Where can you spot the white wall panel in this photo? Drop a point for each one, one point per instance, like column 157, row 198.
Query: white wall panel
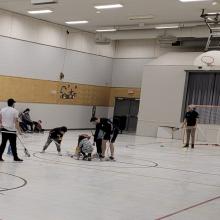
column 135, row 49
column 161, row 98
column 5, row 20
column 23, row 28
column 87, row 68
column 162, row 92
column 20, row 58
column 42, row 32
column 128, row 72
column 72, row 116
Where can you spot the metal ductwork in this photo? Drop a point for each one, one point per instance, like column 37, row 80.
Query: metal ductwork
column 100, row 39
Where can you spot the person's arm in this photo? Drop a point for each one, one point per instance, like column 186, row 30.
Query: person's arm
column 97, row 129
column 28, row 117
column 16, row 121
column 0, row 120
column 197, row 119
column 184, row 123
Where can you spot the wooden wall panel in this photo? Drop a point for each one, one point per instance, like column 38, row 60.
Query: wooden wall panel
column 53, row 92
column 123, row 92
column 27, row 90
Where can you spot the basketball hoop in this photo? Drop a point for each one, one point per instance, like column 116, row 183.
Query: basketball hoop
column 208, row 60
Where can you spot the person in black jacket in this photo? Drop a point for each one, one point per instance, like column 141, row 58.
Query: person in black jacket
column 190, row 124
column 110, row 133
column 98, row 136
column 55, row 135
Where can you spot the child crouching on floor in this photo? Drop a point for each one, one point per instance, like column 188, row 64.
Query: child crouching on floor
column 84, row 147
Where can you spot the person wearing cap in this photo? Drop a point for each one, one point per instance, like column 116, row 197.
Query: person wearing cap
column 190, row 123
column 55, row 135
column 9, row 124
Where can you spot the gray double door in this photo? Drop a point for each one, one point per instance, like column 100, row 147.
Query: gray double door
column 127, row 108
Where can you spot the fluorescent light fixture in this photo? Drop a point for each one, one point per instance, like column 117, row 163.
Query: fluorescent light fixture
column 167, row 26
column 40, row 11
column 214, row 13
column 194, row 0
column 76, row 22
column 100, row 7
column 106, row 30
column 141, row 17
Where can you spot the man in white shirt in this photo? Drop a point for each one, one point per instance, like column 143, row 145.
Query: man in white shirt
column 9, row 123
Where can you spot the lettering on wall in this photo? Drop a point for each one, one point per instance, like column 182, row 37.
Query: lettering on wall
column 68, row 91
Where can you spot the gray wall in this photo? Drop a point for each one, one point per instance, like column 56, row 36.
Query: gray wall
column 31, row 60
column 25, row 59
column 52, row 116
column 162, row 91
column 161, row 98
column 128, row 72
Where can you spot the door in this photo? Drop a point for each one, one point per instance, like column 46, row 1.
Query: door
column 126, row 110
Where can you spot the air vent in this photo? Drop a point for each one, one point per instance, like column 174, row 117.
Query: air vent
column 43, row 2
column 99, row 39
column 166, row 40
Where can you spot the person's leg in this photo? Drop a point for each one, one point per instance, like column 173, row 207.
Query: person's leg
column 89, row 156
column 99, row 146
column 193, row 132
column 188, row 132
column 104, row 142
column 83, row 153
column 49, row 140
column 12, row 139
column 9, row 152
column 58, row 144
column 30, row 124
column 112, row 148
column 3, row 144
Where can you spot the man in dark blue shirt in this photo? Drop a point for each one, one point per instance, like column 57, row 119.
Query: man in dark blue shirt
column 190, row 123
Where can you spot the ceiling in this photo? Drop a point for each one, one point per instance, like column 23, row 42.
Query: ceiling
column 164, row 11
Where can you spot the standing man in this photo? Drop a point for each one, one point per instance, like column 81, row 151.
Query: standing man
column 98, row 136
column 110, row 134
column 190, row 123
column 9, row 123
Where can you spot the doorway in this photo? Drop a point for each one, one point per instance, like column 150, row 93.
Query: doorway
column 126, row 111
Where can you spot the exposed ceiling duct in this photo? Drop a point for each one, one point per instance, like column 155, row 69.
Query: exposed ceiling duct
column 100, row 39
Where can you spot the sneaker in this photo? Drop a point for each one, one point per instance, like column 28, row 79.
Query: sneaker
column 111, row 158
column 101, row 158
column 42, row 152
column 59, row 153
column 1, row 160
column 85, row 157
column 186, row 146
column 192, row 146
column 18, row 160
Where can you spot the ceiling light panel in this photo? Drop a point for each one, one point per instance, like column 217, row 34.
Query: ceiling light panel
column 45, row 11
column 76, row 22
column 112, row 6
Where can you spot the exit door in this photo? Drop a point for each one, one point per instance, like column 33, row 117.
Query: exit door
column 127, row 110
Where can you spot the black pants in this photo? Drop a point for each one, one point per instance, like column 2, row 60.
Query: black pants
column 49, row 140
column 84, row 154
column 99, row 146
column 12, row 139
column 29, row 123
